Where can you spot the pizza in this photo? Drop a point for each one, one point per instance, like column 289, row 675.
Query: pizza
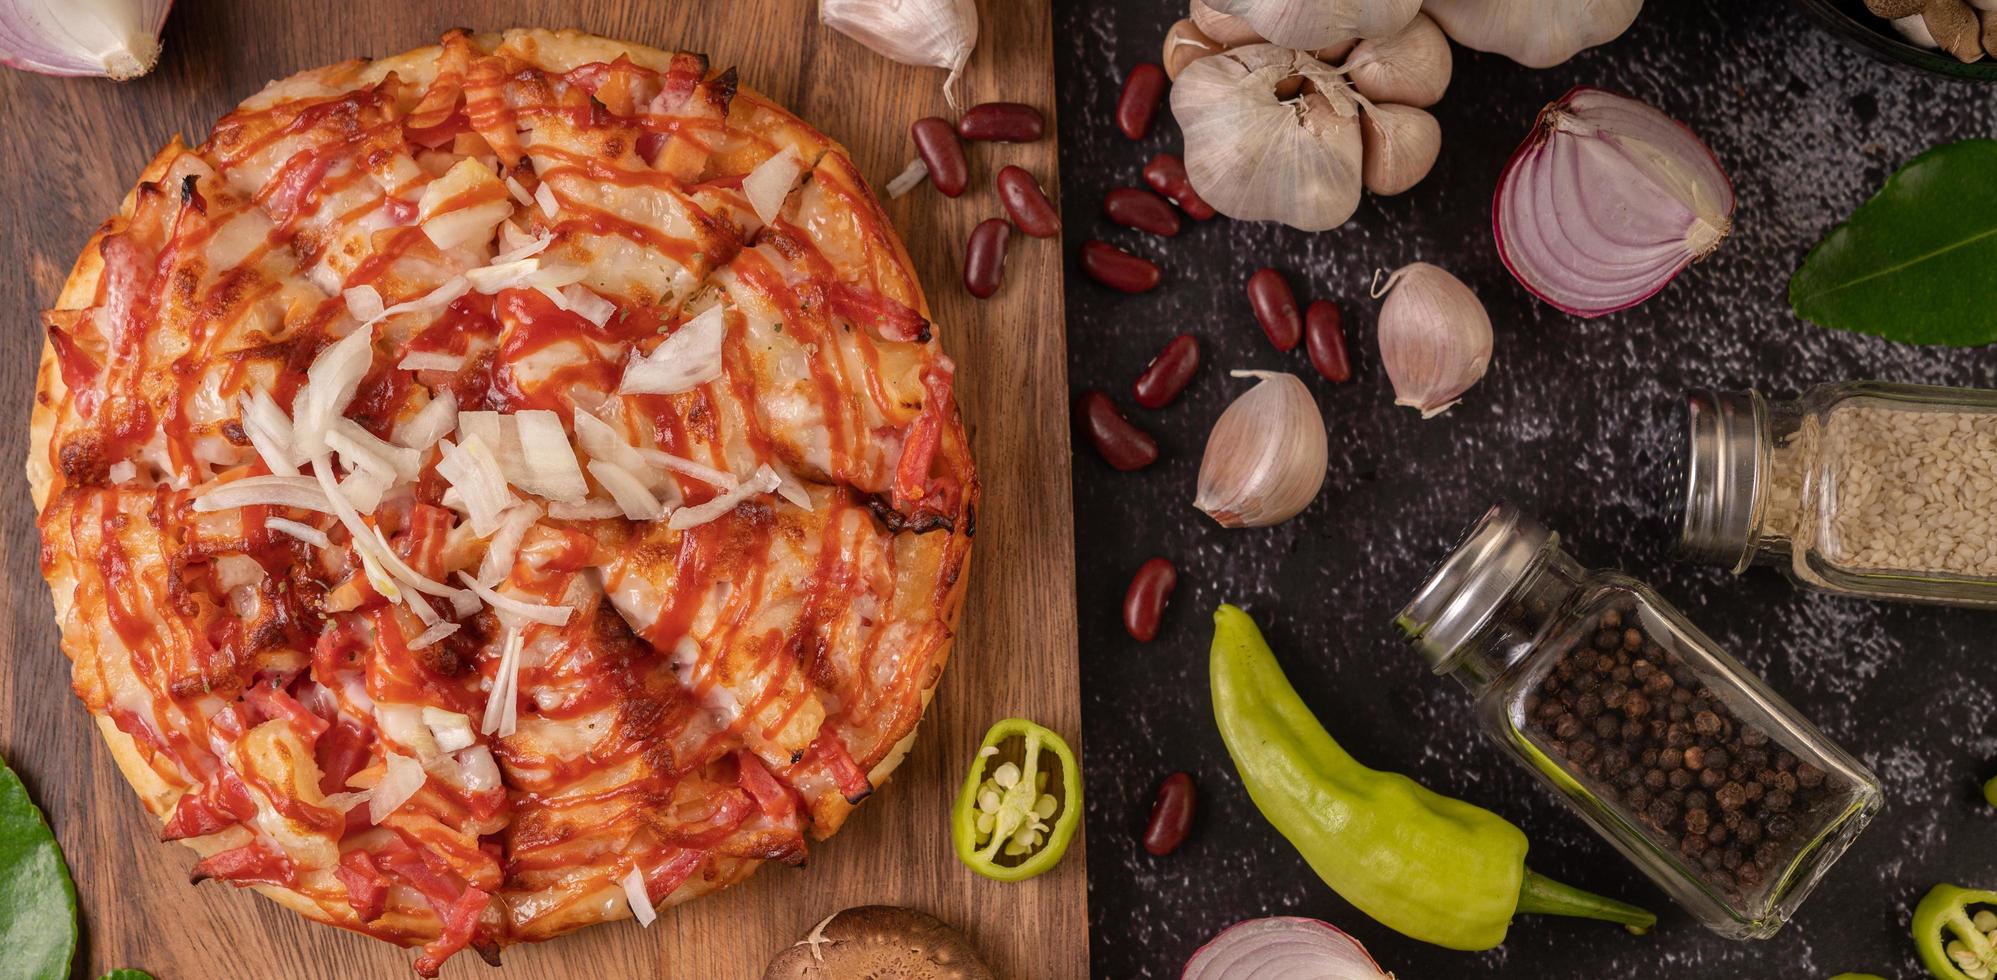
column 501, row 488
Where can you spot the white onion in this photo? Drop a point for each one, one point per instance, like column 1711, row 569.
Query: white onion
column 431, row 360
column 452, row 730
column 499, row 275
column 549, row 461
column 764, row 481
column 527, row 249
column 330, row 384
column 544, row 195
column 519, row 608
column 111, row 38
column 500, row 704
column 342, row 802
column 519, row 192
column 686, row 467
column 472, row 471
column 769, row 184
column 631, row 495
column 792, row 489
column 639, row 897
column 429, row 636
column 350, row 439
column 476, row 766
column 588, row 510
column 264, row 491
column 363, row 488
column 269, row 430
column 690, row 356
column 1283, row 948
column 602, row 441
column 400, row 781
column 303, row 532
column 588, row 305
column 364, row 302
column 432, row 422
column 1606, row 202
column 505, row 543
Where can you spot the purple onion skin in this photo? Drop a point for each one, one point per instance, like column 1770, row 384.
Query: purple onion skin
column 1538, row 135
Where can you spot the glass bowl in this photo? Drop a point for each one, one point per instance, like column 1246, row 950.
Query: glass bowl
column 1851, row 23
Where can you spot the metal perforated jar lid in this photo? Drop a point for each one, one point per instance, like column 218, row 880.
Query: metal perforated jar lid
column 1473, row 583
column 1726, row 434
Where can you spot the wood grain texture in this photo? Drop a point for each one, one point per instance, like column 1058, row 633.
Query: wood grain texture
column 73, row 148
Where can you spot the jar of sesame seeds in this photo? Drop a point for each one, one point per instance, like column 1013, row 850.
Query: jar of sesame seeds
column 1862, row 488
column 1681, row 758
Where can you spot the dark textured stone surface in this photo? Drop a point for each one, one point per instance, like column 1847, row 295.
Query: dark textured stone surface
column 1571, row 421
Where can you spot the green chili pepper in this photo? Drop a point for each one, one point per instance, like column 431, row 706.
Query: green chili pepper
column 1427, row 866
column 1972, row 952
column 1001, row 822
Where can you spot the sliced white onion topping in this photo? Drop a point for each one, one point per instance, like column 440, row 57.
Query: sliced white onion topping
column 792, row 489
column 342, row 802
column 769, row 184
column 452, row 731
column 505, row 543
column 519, row 191
column 687, row 358
column 518, row 609
column 588, row 305
column 472, row 471
column 763, row 481
column 528, row 249
column 432, row 635
column 364, row 302
column 400, row 461
column 640, row 897
column 269, row 430
column 480, row 773
column 588, row 510
column 631, row 495
column 264, row 491
column 330, row 384
column 686, row 467
column 550, row 464
column 431, row 360
column 501, row 711
column 364, row 488
column 403, row 777
column 545, row 196
column 432, row 422
column 303, row 532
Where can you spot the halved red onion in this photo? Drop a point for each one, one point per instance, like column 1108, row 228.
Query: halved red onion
column 112, row 38
column 1283, row 948
column 1606, row 202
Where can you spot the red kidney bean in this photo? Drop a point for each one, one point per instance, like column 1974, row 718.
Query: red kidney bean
column 1142, row 89
column 1121, row 444
column 1002, row 122
column 1276, row 308
column 984, row 257
column 1324, row 340
column 1118, row 269
column 1171, row 814
column 1027, row 203
column 1169, row 372
column 1132, row 207
column 937, row 144
column 1166, row 174
column 1144, row 602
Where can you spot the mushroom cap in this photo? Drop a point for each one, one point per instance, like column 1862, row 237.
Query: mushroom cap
column 879, row 942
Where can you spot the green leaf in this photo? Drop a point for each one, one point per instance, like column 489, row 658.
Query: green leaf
column 1918, row 262
column 37, row 899
column 143, row 975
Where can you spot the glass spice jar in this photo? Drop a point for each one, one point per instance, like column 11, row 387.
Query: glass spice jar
column 1699, row 774
column 1861, row 488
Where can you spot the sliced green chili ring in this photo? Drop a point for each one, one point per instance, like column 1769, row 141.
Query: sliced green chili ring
column 1943, row 925
column 1009, row 826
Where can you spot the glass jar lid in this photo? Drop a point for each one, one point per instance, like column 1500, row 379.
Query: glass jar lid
column 1726, row 437
column 1472, row 584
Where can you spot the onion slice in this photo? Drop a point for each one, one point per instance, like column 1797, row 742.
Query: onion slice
column 301, row 492
column 689, row 356
column 399, row 781
column 1606, row 202
column 639, row 897
column 1283, row 948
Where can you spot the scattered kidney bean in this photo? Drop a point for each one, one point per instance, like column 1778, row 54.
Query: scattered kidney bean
column 1166, row 174
column 1144, row 602
column 1027, row 203
column 984, row 257
column 1132, row 207
column 1002, row 122
column 1118, row 269
column 1171, row 814
column 937, row 144
column 1324, row 340
column 1142, row 89
column 1276, row 308
column 1121, row 444
column 1169, row 372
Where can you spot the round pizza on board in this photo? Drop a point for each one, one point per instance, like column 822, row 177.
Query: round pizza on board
column 500, row 488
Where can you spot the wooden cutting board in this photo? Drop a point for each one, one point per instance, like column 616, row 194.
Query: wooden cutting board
column 71, row 149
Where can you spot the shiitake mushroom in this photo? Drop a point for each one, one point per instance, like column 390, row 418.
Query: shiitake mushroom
column 879, row 942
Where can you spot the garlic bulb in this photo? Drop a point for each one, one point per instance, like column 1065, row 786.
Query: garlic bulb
column 1534, row 33
column 109, row 38
column 1256, row 156
column 1435, row 338
column 1411, row 67
column 1313, row 24
column 1265, row 459
column 1185, row 44
column 1401, row 145
column 1226, row 29
column 925, row 33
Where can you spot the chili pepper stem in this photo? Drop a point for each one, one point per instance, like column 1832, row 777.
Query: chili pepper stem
column 1540, row 895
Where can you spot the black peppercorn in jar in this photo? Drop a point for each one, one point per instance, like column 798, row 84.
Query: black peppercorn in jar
column 1714, row 786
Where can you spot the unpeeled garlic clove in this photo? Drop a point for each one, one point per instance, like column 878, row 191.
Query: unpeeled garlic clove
column 1227, row 30
column 1411, row 67
column 1534, row 33
column 1265, row 459
column 1336, row 51
column 1401, row 146
column 1257, row 156
column 924, row 33
column 1313, row 24
column 1185, row 43
column 1435, row 338
column 116, row 39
